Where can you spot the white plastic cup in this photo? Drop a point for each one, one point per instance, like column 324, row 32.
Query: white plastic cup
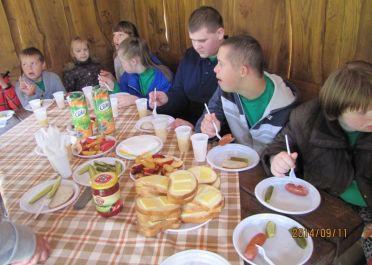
column 60, row 99
column 35, row 104
column 88, row 95
column 141, row 104
column 183, row 137
column 61, row 164
column 114, row 105
column 41, row 116
column 199, row 145
column 161, row 128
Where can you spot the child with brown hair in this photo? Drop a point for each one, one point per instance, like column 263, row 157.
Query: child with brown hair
column 8, row 96
column 83, row 70
column 331, row 140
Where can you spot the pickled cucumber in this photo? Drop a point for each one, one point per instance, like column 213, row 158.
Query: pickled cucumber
column 300, row 241
column 240, row 159
column 270, row 229
column 269, row 193
column 55, row 187
column 41, row 194
column 83, row 170
column 118, row 168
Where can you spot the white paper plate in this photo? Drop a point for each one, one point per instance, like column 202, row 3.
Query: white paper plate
column 84, row 179
column 44, row 103
column 148, row 119
column 218, row 154
column 6, row 115
column 281, row 249
column 108, row 137
column 143, row 142
column 195, row 257
column 187, row 227
column 285, row 202
column 33, row 208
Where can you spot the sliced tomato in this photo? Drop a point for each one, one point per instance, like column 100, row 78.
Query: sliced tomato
column 296, row 189
column 106, row 145
column 89, row 140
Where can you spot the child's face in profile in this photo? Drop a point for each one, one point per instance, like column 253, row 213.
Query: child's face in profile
column 32, row 67
column 80, row 51
column 358, row 120
column 118, row 37
column 129, row 65
column 227, row 74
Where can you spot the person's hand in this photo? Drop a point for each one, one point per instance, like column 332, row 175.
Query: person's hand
column 126, row 100
column 178, row 122
column 282, row 163
column 207, row 125
column 107, row 74
column 41, row 253
column 161, row 99
column 106, row 81
column 27, row 89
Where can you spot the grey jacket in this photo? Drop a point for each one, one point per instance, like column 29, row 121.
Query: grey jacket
column 17, row 243
column 52, row 84
column 228, row 108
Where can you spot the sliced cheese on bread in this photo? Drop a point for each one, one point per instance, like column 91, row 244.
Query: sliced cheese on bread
column 198, row 217
column 160, row 206
column 204, row 174
column 208, row 196
column 152, row 228
column 183, row 184
column 62, row 195
column 153, row 217
column 152, row 185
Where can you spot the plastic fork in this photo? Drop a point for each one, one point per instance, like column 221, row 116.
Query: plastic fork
column 291, row 172
column 155, row 105
column 262, row 252
column 214, row 125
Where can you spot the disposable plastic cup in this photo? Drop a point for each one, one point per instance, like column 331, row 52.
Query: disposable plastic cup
column 61, row 164
column 183, row 138
column 141, row 104
column 114, row 106
column 60, row 99
column 161, row 128
column 41, row 116
column 88, row 95
column 199, row 145
column 35, row 104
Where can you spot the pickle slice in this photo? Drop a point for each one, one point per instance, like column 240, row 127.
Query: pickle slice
column 240, row 159
column 41, row 194
column 269, row 193
column 270, row 229
column 300, row 241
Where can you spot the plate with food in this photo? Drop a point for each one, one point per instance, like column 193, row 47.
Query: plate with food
column 145, row 124
column 44, row 103
column 195, row 256
column 85, row 171
column 94, row 146
column 66, row 194
column 186, row 227
column 287, row 195
column 138, row 146
column 232, row 157
column 6, row 115
column 154, row 164
column 282, row 238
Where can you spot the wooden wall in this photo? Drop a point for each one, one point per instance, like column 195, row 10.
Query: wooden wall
column 303, row 40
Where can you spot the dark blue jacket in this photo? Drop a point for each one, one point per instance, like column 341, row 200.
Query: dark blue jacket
column 193, row 85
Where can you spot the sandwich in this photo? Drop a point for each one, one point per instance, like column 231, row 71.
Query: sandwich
column 204, row 174
column 152, row 228
column 153, row 185
column 182, row 187
column 159, row 206
column 62, row 195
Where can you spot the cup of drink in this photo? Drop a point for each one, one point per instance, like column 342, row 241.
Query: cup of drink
column 41, row 116
column 114, row 105
column 88, row 95
column 183, row 137
column 141, row 104
column 161, row 128
column 35, row 104
column 60, row 99
column 199, row 145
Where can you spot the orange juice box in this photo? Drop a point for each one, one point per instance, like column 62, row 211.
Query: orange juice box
column 79, row 114
column 102, row 108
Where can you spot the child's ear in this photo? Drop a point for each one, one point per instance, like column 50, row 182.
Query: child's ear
column 44, row 65
column 244, row 70
column 220, row 33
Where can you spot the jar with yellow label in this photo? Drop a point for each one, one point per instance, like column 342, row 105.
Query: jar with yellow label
column 106, row 194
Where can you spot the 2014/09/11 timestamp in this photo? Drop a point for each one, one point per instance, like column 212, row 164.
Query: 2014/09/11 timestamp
column 319, row 232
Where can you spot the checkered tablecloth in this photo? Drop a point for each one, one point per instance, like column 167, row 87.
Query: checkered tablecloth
column 84, row 237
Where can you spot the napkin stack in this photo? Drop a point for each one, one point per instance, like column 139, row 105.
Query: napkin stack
column 53, row 144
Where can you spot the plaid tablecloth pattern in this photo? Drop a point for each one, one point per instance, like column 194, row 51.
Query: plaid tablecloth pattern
column 82, row 236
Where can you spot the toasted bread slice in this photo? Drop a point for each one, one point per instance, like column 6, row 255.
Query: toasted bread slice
column 194, row 207
column 159, row 206
column 146, row 217
column 217, row 183
column 183, row 184
column 198, row 217
column 152, row 185
column 63, row 194
column 233, row 164
column 147, row 126
column 208, row 196
column 204, row 174
column 182, row 200
column 152, row 228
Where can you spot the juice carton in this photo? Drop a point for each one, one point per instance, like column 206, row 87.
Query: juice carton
column 79, row 114
column 103, row 110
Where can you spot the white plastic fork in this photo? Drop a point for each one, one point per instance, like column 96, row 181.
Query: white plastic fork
column 262, row 252
column 214, row 125
column 291, row 172
column 155, row 105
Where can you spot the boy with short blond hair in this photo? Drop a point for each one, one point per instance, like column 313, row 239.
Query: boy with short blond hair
column 35, row 82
